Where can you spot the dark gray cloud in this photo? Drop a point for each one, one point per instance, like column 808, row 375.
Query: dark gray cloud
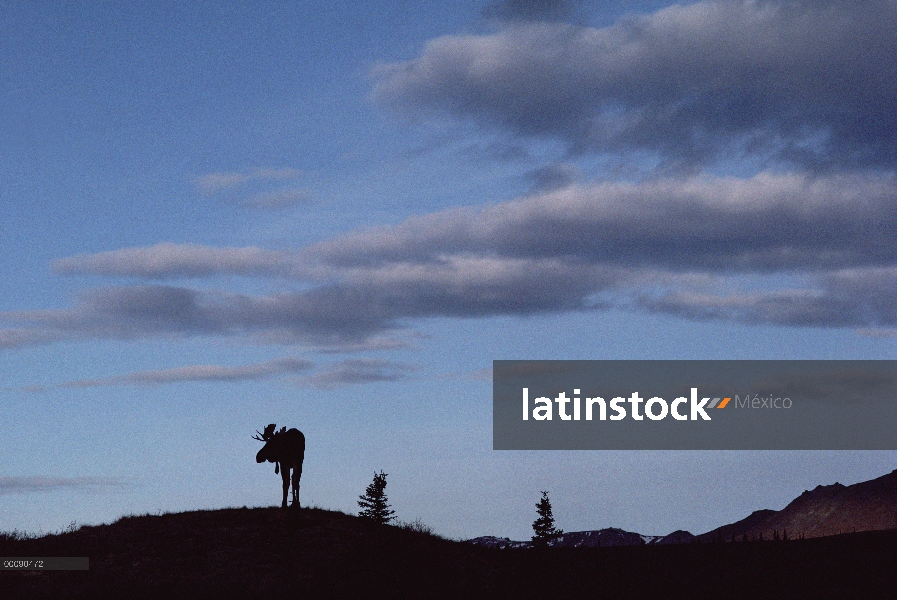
column 357, row 371
column 263, row 370
column 808, row 83
column 478, row 375
column 126, row 312
column 22, row 336
column 179, row 260
column 28, row 485
column 850, row 298
column 153, row 311
column 765, row 223
column 347, row 372
column 505, row 152
column 552, row 177
column 345, row 315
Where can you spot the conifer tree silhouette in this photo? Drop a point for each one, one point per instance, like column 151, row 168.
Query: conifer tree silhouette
column 374, row 502
column 543, row 527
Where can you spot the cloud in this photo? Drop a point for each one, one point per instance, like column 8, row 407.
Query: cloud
column 178, row 260
column 357, row 371
column 374, row 343
column 660, row 245
column 365, row 306
column 553, row 177
column 500, row 151
column 28, row 485
column 347, row 372
column 766, row 223
column 847, row 298
column 877, row 332
column 151, row 311
column 477, row 375
column 354, row 317
column 15, row 337
column 807, row 83
column 214, row 183
column 256, row 371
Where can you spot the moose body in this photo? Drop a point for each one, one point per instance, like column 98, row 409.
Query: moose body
column 285, row 448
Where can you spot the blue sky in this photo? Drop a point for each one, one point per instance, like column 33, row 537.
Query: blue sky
column 335, row 215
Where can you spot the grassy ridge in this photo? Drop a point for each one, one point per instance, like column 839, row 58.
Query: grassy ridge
column 313, row 553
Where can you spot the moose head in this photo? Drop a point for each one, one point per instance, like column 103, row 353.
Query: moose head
column 270, row 451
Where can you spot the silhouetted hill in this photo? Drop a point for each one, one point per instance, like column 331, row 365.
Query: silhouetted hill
column 738, row 528
column 677, row 537
column 261, row 552
column 826, row 510
column 311, row 553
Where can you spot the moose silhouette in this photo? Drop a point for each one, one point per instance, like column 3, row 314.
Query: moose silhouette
column 285, row 448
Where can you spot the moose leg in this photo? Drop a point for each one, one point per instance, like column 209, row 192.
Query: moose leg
column 285, row 474
column 297, row 475
column 295, row 490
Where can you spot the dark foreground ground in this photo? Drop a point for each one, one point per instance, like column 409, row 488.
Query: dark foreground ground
column 312, row 553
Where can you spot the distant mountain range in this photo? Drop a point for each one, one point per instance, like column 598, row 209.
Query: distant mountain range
column 826, row 510
column 591, row 539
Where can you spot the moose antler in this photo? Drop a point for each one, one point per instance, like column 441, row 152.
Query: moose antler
column 269, row 433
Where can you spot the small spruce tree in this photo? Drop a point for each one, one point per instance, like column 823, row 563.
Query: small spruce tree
column 374, row 503
column 543, row 527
